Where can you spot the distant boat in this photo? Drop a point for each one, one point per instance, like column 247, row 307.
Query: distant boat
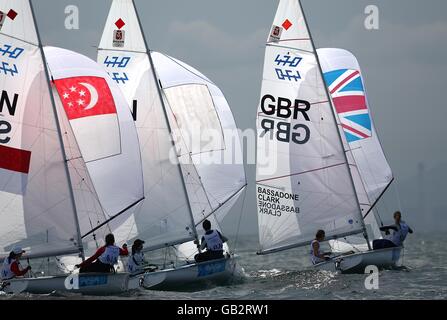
column 171, row 103
column 304, row 180
column 68, row 125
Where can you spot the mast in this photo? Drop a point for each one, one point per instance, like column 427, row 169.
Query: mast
column 78, row 229
column 365, row 234
column 160, row 94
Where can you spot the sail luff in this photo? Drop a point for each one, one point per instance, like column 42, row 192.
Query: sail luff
column 53, row 104
column 335, row 119
column 159, row 90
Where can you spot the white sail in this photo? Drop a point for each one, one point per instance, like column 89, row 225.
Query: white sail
column 36, row 206
column 95, row 113
column 345, row 81
column 303, row 179
column 164, row 217
column 200, row 107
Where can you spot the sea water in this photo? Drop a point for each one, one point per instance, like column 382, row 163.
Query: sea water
column 287, row 275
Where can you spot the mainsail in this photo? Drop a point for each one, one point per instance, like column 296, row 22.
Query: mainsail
column 164, row 218
column 303, row 179
column 37, row 209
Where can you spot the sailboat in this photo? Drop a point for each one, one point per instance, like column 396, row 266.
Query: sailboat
column 67, row 125
column 304, row 176
column 171, row 102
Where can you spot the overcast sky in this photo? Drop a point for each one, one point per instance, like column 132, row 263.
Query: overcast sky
column 403, row 63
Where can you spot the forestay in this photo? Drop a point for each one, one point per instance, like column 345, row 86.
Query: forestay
column 303, row 180
column 36, row 207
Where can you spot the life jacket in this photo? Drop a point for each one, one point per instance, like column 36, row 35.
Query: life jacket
column 399, row 236
column 314, row 258
column 135, row 262
column 110, row 255
column 213, row 241
column 7, row 273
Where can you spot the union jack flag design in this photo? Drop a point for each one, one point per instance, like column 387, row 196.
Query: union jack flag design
column 348, row 94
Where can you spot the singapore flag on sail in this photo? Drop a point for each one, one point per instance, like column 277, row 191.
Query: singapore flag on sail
column 91, row 110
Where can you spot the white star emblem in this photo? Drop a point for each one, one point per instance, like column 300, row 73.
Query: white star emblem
column 70, row 104
column 80, row 102
column 82, row 93
column 66, row 95
column 73, row 89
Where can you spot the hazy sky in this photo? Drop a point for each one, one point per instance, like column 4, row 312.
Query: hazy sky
column 403, row 63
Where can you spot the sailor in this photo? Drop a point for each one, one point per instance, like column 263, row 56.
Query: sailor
column 105, row 257
column 11, row 265
column 316, row 255
column 400, row 232
column 136, row 261
column 213, row 242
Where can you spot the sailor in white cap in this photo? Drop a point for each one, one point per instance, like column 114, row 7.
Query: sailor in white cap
column 11, row 265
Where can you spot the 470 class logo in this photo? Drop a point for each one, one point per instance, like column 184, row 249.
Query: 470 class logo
column 286, row 67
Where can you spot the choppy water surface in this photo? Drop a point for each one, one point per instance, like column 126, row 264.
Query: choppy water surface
column 287, row 276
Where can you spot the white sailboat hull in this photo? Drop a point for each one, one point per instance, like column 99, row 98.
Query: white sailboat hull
column 86, row 283
column 214, row 272
column 357, row 262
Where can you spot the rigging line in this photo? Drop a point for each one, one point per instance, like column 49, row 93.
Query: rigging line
column 303, row 172
column 351, row 244
column 88, row 188
column 396, row 190
column 377, row 200
column 197, row 75
column 112, row 218
column 200, row 152
column 221, row 205
column 236, row 241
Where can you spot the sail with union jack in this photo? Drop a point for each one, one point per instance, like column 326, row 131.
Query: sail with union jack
column 348, row 94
